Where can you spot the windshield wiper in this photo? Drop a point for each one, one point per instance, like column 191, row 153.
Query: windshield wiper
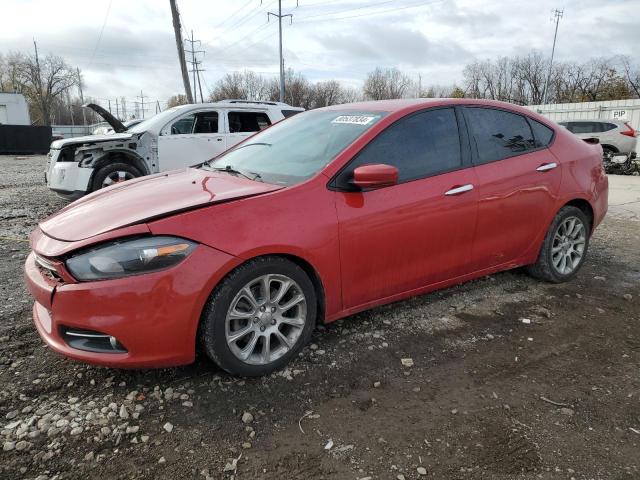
column 230, row 169
column 252, row 144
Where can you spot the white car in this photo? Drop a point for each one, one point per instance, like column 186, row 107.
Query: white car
column 179, row 137
column 615, row 136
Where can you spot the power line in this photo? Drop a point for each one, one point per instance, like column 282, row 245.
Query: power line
column 104, row 23
column 331, row 19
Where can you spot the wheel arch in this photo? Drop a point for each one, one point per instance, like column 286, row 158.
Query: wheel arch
column 116, row 155
column 583, row 205
column 303, row 263
column 607, row 146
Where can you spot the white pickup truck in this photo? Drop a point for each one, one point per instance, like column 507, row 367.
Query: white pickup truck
column 178, row 137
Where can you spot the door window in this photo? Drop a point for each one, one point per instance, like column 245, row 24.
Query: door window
column 498, row 134
column 199, row 122
column 206, row 122
column 248, row 121
column 420, row 145
column 183, row 125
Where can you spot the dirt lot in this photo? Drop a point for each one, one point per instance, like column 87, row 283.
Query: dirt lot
column 489, row 395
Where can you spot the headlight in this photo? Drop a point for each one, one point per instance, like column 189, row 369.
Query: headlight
column 129, row 257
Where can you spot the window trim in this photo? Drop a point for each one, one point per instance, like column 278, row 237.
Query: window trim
column 474, row 147
column 463, row 138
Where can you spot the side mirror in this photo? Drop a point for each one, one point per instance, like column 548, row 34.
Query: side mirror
column 374, row 176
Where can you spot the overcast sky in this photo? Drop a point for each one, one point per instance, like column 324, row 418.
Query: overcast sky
column 342, row 39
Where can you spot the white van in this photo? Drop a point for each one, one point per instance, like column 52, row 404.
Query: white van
column 175, row 138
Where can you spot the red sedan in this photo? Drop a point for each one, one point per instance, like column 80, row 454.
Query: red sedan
column 325, row 214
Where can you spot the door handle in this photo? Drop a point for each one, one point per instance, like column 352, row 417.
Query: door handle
column 218, row 139
column 546, row 167
column 458, row 190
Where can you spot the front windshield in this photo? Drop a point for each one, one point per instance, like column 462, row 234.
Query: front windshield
column 144, row 125
column 297, row 148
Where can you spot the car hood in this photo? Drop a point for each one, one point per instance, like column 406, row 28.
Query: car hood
column 116, row 124
column 148, row 198
column 58, row 144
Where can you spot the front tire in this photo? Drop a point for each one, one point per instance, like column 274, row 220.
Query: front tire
column 113, row 173
column 564, row 247
column 259, row 317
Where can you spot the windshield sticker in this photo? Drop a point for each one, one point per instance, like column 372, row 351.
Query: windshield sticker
column 354, row 119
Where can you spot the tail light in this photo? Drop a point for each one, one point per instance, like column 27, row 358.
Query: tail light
column 631, row 132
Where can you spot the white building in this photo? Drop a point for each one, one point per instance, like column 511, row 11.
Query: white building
column 14, row 109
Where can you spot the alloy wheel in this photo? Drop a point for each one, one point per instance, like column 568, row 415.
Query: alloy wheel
column 265, row 319
column 118, row 176
column 568, row 245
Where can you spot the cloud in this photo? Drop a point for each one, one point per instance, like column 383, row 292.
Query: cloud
column 342, row 40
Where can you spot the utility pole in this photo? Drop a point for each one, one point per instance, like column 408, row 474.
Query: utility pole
column 158, row 109
column 109, row 100
column 183, row 64
column 279, row 16
column 557, row 15
column 84, row 115
column 117, row 109
column 199, row 84
column 194, row 65
column 45, row 109
column 142, row 97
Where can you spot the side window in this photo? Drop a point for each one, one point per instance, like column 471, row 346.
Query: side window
column 541, row 133
column 183, row 125
column 420, row 145
column 206, row 122
column 498, row 134
column 608, row 126
column 248, row 121
column 583, row 127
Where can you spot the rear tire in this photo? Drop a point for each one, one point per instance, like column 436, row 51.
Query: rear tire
column 249, row 333
column 564, row 247
column 113, row 173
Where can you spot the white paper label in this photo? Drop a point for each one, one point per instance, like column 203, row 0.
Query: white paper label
column 354, row 119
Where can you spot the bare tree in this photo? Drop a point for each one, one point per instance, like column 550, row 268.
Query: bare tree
column 241, row 85
column 386, row 84
column 44, row 82
column 632, row 75
column 175, row 100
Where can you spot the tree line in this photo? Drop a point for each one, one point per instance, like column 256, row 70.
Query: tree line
column 520, row 79
column 51, row 86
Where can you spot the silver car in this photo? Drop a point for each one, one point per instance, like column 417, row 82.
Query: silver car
column 616, row 136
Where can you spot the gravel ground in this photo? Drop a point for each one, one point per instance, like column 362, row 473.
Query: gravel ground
column 500, row 378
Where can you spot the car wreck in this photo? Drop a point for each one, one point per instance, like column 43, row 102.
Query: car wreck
column 178, row 137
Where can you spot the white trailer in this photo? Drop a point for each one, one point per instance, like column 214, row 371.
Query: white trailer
column 14, row 109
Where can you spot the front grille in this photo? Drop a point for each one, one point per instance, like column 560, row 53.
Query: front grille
column 91, row 341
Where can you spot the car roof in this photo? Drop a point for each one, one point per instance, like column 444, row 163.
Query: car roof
column 409, row 104
column 242, row 104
